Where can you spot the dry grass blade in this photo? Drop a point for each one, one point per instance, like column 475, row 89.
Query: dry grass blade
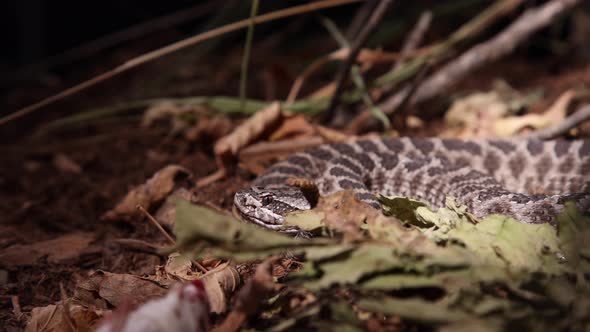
column 356, row 47
column 314, row 6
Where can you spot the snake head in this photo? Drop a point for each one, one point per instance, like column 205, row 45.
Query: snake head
column 268, row 206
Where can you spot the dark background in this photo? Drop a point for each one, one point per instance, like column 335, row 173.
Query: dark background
column 35, row 29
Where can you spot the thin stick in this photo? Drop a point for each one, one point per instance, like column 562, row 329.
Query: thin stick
column 415, row 37
column 499, row 46
column 246, row 57
column 150, row 56
column 156, row 223
column 358, row 44
column 572, row 121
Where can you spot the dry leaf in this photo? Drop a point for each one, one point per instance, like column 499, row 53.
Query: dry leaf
column 220, row 283
column 509, row 126
column 344, row 213
column 55, row 318
column 60, row 250
column 293, row 126
column 474, row 115
column 116, row 288
column 155, row 190
column 228, row 146
column 255, row 157
column 332, row 136
column 211, row 128
column 249, row 297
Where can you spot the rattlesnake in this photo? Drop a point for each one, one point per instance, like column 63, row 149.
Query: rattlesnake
column 529, row 180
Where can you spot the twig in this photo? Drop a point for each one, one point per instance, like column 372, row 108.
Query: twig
column 438, row 51
column 397, row 102
column 150, row 56
column 211, row 178
column 279, row 147
column 415, row 37
column 246, row 56
column 503, row 44
column 358, row 44
column 156, row 223
column 572, row 121
column 355, row 73
column 361, row 16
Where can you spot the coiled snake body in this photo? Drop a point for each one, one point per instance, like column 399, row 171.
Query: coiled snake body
column 529, row 180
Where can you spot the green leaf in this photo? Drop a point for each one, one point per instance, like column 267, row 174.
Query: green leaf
column 403, row 208
column 308, row 220
column 197, row 227
column 414, row 309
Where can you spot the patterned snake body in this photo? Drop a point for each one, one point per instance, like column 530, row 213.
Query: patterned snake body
column 529, row 180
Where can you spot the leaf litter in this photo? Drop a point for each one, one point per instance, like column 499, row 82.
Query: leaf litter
column 434, row 268
column 492, row 273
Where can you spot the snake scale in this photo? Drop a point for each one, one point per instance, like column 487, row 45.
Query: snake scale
column 529, row 180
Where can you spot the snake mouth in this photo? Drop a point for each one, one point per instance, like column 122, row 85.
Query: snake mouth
column 249, row 217
column 264, row 224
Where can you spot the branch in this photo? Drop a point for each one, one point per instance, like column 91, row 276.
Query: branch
column 572, row 121
column 363, row 36
column 503, row 44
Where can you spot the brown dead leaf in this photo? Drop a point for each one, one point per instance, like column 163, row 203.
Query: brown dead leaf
column 344, row 213
column 56, row 318
column 103, row 287
column 155, row 190
column 62, row 249
column 293, row 126
column 228, row 146
column 474, row 115
column 65, row 164
column 255, row 158
column 266, row 150
column 509, row 126
column 332, row 136
column 490, row 114
column 210, row 128
column 220, row 283
column 249, row 297
column 326, row 91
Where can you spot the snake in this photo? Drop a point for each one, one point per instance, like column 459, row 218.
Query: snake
column 526, row 179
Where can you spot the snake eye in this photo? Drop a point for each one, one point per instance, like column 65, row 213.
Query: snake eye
column 267, row 200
